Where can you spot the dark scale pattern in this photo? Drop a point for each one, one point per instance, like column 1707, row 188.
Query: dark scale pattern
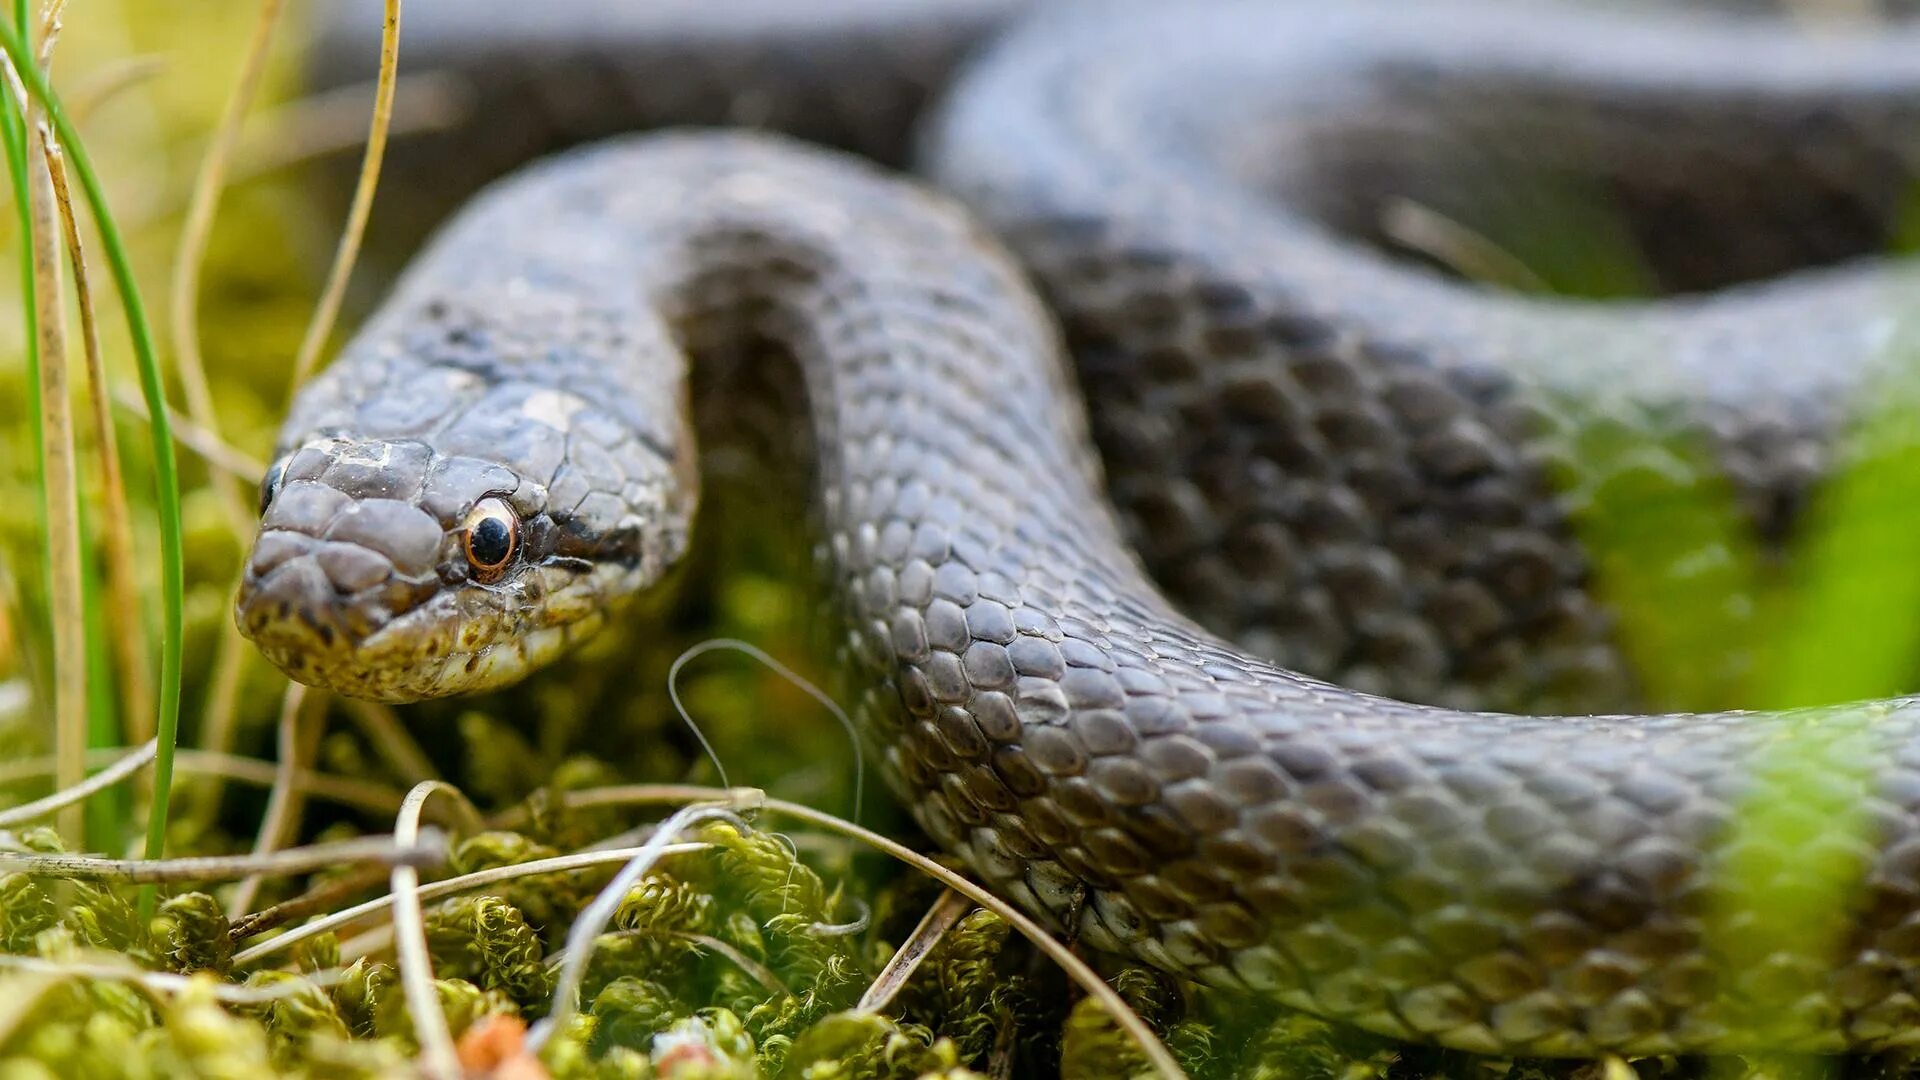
column 1362, row 468
column 1492, row 882
column 1498, row 883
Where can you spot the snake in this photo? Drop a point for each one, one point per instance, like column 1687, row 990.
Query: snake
column 1205, row 560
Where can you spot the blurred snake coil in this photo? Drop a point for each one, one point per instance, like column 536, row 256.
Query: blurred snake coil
column 1097, row 677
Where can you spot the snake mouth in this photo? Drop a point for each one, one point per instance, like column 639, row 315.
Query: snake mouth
column 319, row 608
column 386, row 621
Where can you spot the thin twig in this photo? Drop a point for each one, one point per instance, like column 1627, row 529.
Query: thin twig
column 438, row 1057
column 328, row 309
column 934, row 926
column 558, row 864
column 100, row 781
column 132, row 649
column 323, row 897
column 302, row 717
column 190, row 255
column 428, row 848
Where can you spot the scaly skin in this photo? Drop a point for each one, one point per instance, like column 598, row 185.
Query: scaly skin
column 1367, row 441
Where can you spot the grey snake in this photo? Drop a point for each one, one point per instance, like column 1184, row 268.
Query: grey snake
column 1348, row 462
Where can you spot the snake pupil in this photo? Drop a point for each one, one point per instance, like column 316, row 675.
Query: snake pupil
column 491, row 542
column 491, row 534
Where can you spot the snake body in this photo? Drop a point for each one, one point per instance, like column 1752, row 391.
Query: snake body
column 1342, row 460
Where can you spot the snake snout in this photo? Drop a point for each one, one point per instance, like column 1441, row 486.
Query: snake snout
column 331, row 570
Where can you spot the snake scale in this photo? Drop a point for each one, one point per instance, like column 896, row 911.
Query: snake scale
column 1343, row 460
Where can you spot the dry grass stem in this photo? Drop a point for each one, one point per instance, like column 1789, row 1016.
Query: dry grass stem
column 205, row 445
column 328, row 309
column 391, row 740
column 190, row 255
column 559, row 864
column 345, row 790
column 132, row 650
column 325, row 896
column 302, row 719
column 438, row 1057
column 66, row 544
column 79, row 793
column 1089, row 980
column 593, row 919
column 425, row 848
column 335, row 120
column 933, row 926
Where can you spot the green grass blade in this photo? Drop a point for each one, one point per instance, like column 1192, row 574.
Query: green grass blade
column 166, row 472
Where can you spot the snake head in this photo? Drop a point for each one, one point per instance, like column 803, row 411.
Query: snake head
column 400, row 568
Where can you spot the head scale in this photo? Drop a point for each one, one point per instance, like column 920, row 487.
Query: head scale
column 397, row 568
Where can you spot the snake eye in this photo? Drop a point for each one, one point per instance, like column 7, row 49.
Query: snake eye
column 490, row 536
column 270, row 485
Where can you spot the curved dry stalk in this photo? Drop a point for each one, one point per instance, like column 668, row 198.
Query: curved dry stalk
column 301, row 722
column 131, row 647
column 328, row 309
column 793, row 678
column 345, row 790
column 100, row 781
column 428, row 848
column 438, row 1057
column 1089, row 980
column 592, row 920
column 933, row 927
column 558, row 864
column 190, row 255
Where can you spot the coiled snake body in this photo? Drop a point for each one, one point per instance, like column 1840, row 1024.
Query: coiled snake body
column 1340, row 459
